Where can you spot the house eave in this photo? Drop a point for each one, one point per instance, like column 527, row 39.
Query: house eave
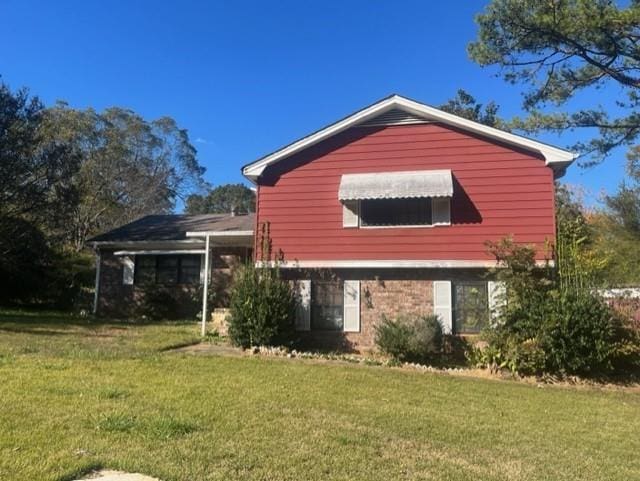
column 389, row 264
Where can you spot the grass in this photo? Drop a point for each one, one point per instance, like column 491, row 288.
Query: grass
column 77, row 395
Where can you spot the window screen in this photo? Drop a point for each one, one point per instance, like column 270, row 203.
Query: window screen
column 327, row 301
column 392, row 212
column 470, row 307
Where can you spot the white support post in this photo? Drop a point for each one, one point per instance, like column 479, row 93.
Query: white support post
column 96, row 293
column 205, row 287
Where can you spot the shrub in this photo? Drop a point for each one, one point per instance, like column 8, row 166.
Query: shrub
column 547, row 325
column 580, row 334
column 157, row 303
column 262, row 307
column 410, row 340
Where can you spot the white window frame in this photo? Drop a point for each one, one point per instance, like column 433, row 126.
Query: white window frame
column 444, row 203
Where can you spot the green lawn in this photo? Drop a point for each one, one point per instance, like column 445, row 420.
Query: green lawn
column 76, row 396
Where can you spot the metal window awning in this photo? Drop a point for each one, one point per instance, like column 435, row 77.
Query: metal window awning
column 396, row 185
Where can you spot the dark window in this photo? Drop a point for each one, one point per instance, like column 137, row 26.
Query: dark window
column 189, row 270
column 391, row 212
column 470, row 307
column 145, row 270
column 167, row 269
column 327, row 301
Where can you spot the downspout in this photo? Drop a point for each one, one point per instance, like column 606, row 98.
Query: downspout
column 96, row 293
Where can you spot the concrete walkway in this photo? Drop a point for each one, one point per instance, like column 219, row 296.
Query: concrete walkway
column 106, row 475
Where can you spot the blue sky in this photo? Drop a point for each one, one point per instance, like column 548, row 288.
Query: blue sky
column 246, row 77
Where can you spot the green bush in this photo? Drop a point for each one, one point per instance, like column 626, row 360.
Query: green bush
column 552, row 321
column 580, row 335
column 570, row 332
column 410, row 340
column 157, row 303
column 262, row 307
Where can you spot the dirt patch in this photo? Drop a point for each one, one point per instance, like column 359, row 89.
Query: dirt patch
column 106, row 475
column 207, row 348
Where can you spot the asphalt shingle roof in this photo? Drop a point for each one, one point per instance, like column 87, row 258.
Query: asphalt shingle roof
column 175, row 227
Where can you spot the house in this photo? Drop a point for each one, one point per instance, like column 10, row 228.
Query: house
column 386, row 213
column 169, row 253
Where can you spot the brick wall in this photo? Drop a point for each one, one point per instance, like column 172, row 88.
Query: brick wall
column 116, row 299
column 390, row 298
column 388, row 292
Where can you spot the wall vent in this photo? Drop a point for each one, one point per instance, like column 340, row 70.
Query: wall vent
column 394, row 117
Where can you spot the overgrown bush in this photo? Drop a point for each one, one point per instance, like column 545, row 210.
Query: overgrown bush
column 563, row 332
column 262, row 307
column 548, row 326
column 410, row 339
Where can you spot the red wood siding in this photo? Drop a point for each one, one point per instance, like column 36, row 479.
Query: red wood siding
column 498, row 191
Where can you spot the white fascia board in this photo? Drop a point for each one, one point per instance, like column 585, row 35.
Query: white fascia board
column 157, row 252
column 224, row 233
column 144, row 244
column 554, row 157
column 253, row 171
column 384, row 264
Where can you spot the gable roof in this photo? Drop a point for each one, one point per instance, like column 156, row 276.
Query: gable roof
column 391, row 108
column 175, row 227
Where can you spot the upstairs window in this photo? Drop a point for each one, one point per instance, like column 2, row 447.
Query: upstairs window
column 395, row 212
column 396, row 199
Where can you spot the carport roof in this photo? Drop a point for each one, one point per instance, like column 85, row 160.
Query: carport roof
column 175, row 227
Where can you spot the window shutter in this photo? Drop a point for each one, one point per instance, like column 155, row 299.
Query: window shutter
column 442, row 304
column 441, row 211
column 128, row 270
column 303, row 308
column 497, row 291
column 350, row 213
column 351, row 306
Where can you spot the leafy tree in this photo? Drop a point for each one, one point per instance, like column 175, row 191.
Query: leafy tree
column 34, row 192
column 223, row 199
column 559, row 48
column 466, row 106
column 579, row 263
column 129, row 166
column 624, row 206
column 617, row 231
column 34, row 170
